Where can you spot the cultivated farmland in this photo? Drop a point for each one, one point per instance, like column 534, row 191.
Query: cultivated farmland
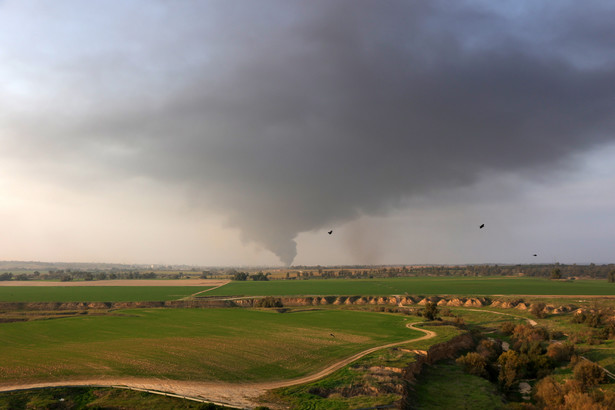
column 417, row 286
column 96, row 293
column 191, row 344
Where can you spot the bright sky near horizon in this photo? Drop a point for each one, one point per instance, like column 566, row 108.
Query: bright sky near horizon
column 239, row 133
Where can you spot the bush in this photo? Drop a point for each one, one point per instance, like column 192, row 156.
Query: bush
column 269, row 302
column 579, row 400
column 528, row 334
column 473, row 363
column 549, row 393
column 489, row 349
column 431, row 311
column 540, row 366
column 508, row 327
column 560, row 352
column 538, row 310
column 594, row 319
column 588, row 374
column 512, row 368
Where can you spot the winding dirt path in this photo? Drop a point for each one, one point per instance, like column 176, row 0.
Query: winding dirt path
column 230, row 394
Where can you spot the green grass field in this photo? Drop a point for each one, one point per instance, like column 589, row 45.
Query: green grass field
column 95, row 293
column 446, row 386
column 191, row 344
column 94, row 398
column 417, row 286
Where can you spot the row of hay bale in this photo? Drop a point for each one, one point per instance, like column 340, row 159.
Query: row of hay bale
column 408, row 300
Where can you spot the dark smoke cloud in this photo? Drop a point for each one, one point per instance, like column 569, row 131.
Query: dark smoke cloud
column 294, row 117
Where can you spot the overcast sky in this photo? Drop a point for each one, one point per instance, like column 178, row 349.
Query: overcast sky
column 240, row 132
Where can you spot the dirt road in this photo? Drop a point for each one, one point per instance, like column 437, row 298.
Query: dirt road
column 236, row 395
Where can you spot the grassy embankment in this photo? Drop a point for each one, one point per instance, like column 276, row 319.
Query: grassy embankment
column 96, row 293
column 416, row 286
column 232, row 345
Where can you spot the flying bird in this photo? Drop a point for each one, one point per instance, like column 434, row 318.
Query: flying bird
column 482, row 226
column 330, row 232
column 535, row 255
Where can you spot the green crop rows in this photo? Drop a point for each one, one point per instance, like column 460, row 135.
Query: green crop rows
column 191, row 344
column 418, row 286
column 95, row 293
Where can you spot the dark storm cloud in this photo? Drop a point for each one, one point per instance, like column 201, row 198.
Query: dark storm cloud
column 294, row 117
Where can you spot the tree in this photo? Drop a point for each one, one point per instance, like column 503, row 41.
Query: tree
column 6, row 276
column 556, row 273
column 611, row 276
column 240, row 276
column 431, row 311
column 260, row 276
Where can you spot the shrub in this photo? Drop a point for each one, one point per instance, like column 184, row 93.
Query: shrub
column 588, row 374
column 489, row 349
column 269, row 302
column 512, row 368
column 560, row 352
column 594, row 319
column 579, row 400
column 431, row 311
column 528, row 334
column 541, row 366
column 473, row 363
column 508, row 327
column 538, row 310
column 549, row 393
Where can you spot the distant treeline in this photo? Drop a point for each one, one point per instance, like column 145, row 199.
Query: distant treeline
column 556, row 271
column 567, row 271
column 69, row 275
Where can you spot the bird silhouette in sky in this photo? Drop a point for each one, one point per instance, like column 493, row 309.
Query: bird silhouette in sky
column 535, row 255
column 330, row 232
column 482, row 226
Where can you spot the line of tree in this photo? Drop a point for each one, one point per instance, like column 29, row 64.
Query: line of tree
column 553, row 271
column 242, row 276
